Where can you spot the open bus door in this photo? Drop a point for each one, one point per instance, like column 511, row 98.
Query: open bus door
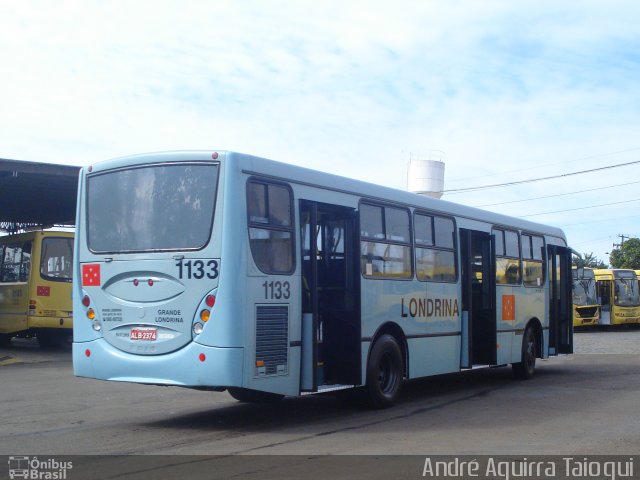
column 479, row 335
column 330, row 296
column 560, row 300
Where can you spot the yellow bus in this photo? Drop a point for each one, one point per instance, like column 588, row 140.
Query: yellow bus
column 619, row 296
column 35, row 286
column 586, row 308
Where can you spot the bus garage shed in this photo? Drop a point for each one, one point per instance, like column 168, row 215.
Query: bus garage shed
column 35, row 195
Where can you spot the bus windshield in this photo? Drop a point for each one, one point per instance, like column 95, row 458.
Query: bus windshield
column 584, row 290
column 151, row 208
column 627, row 292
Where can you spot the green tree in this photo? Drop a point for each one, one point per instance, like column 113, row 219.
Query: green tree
column 590, row 261
column 627, row 256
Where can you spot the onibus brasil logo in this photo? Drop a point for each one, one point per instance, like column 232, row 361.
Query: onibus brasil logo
column 35, row 469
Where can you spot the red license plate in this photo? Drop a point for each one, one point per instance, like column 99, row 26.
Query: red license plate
column 149, row 334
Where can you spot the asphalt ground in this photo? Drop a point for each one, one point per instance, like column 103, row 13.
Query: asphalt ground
column 581, row 404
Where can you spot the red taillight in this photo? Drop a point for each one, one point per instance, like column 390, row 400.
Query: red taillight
column 214, row 155
column 150, row 282
column 136, row 282
column 210, row 300
column 87, row 353
column 202, row 357
column 86, row 301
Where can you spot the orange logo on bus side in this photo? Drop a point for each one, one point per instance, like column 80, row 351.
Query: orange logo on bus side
column 91, row 275
column 508, row 307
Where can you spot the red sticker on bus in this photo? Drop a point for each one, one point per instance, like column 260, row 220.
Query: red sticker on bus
column 91, row 275
column 43, row 291
column 508, row 307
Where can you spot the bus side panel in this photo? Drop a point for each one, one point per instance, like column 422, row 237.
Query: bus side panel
column 530, row 303
column 433, row 355
column 14, row 302
column 271, row 309
column 509, row 307
column 427, row 312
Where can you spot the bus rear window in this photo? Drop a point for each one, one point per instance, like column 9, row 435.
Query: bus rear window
column 151, row 208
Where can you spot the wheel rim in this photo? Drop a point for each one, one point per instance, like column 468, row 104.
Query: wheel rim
column 531, row 353
column 387, row 374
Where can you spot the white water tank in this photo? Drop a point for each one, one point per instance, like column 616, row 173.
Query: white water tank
column 425, row 174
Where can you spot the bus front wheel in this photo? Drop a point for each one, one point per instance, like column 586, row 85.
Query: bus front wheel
column 253, row 396
column 527, row 366
column 384, row 372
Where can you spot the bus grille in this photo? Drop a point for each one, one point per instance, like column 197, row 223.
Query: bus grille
column 272, row 338
column 587, row 312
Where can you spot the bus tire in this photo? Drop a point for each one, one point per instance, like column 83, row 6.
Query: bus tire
column 385, row 372
column 526, row 368
column 253, row 396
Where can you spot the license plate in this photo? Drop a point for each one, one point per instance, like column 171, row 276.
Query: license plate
column 149, row 334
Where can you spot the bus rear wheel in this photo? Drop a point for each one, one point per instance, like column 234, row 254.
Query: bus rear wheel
column 526, row 368
column 253, row 396
column 385, row 372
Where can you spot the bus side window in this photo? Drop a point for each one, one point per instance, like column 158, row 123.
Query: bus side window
column 269, row 208
column 533, row 260
column 507, row 257
column 16, row 262
column 385, row 242
column 435, row 248
column 25, row 264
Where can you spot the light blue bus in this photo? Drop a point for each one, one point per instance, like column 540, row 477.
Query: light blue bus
column 219, row 270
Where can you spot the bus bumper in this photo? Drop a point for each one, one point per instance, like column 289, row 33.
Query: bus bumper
column 194, row 365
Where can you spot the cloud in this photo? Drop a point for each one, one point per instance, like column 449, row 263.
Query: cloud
column 349, row 87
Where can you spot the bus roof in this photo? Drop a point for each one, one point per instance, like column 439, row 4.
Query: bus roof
column 305, row 176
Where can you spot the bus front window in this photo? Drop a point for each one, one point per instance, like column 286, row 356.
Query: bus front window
column 584, row 292
column 627, row 292
column 151, row 207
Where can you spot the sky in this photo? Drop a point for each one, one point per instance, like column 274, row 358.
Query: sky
column 504, row 91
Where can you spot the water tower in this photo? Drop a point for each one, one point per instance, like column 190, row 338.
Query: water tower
column 425, row 175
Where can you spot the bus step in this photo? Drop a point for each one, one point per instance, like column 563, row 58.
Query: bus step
column 328, row 388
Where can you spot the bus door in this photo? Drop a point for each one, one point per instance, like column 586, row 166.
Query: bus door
column 560, row 304
column 603, row 289
column 479, row 337
column 330, row 296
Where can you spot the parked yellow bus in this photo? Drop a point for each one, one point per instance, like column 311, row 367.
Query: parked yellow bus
column 586, row 308
column 619, row 296
column 35, row 286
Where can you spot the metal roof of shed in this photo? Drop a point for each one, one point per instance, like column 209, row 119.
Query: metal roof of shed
column 35, row 194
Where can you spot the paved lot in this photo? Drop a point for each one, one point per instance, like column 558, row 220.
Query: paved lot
column 586, row 403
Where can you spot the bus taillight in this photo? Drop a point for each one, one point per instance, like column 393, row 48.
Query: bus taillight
column 86, row 301
column 203, row 314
